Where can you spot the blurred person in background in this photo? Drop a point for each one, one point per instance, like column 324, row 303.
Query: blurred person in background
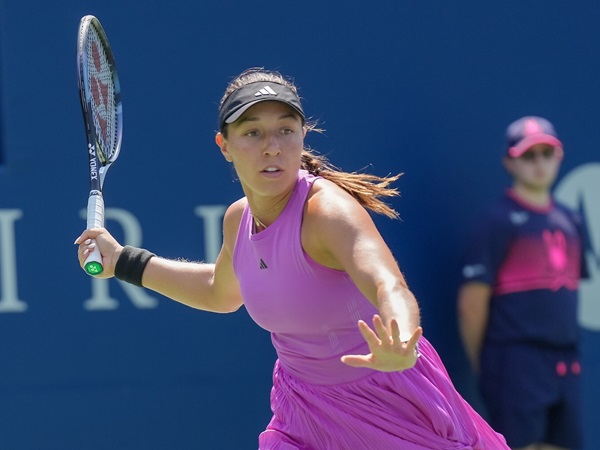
column 517, row 303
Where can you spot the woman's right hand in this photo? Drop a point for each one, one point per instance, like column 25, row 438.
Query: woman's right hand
column 109, row 248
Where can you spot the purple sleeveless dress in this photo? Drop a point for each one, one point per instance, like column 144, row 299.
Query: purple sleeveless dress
column 318, row 402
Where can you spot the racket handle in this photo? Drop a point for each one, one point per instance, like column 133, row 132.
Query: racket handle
column 95, row 219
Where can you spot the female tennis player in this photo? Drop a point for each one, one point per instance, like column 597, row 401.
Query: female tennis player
column 302, row 254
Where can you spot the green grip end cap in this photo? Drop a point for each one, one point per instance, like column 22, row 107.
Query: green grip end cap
column 94, row 268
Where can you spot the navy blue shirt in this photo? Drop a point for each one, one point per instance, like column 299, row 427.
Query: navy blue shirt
column 533, row 259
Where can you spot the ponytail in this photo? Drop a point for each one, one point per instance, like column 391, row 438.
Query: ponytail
column 367, row 189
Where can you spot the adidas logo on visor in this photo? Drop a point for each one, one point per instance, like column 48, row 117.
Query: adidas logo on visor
column 265, row 91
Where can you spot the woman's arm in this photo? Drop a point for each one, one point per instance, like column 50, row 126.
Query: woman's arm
column 339, row 233
column 209, row 287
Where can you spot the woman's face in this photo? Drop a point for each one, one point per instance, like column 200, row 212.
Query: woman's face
column 537, row 168
column 265, row 145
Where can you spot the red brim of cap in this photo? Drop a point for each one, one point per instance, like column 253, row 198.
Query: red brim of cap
column 528, row 142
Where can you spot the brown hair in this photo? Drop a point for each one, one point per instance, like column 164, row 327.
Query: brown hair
column 365, row 188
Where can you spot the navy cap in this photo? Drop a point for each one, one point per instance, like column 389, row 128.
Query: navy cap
column 528, row 131
column 238, row 102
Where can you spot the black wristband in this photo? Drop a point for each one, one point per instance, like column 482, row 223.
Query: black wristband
column 131, row 264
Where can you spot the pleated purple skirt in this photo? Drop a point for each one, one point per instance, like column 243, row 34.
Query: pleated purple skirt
column 412, row 410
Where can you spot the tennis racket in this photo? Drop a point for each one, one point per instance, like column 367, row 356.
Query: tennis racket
column 100, row 96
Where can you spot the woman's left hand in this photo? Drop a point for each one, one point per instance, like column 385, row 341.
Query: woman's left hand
column 388, row 352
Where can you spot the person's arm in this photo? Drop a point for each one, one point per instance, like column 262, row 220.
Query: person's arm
column 209, row 287
column 339, row 233
column 473, row 313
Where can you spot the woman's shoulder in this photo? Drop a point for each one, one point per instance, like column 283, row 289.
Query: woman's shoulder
column 233, row 217
column 237, row 207
column 332, row 218
column 325, row 189
column 331, row 207
column 326, row 196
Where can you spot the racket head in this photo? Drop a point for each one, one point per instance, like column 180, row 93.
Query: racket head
column 99, row 91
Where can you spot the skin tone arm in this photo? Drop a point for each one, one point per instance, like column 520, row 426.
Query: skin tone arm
column 209, row 287
column 339, row 233
column 473, row 311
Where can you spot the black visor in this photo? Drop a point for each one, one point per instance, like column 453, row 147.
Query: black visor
column 243, row 98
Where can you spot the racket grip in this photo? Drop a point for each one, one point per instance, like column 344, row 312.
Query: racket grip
column 95, row 219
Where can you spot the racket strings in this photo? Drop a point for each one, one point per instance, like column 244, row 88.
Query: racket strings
column 103, row 104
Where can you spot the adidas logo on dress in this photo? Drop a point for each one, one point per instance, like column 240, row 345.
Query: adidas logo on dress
column 262, row 265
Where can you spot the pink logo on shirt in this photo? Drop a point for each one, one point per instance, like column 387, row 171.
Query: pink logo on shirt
column 556, row 249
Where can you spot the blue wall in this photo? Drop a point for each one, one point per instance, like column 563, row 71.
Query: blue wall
column 425, row 88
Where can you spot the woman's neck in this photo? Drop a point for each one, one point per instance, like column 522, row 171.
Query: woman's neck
column 265, row 213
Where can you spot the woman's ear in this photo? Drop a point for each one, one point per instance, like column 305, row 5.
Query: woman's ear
column 222, row 143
